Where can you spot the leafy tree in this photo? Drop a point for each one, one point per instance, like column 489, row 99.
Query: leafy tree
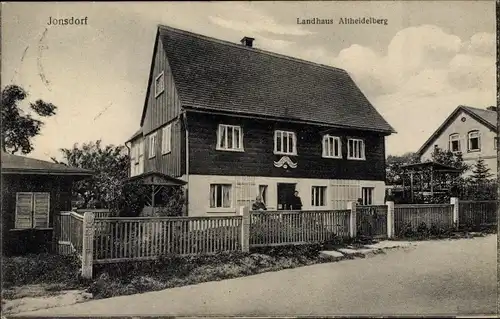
column 19, row 127
column 449, row 158
column 480, row 171
column 393, row 166
column 110, row 165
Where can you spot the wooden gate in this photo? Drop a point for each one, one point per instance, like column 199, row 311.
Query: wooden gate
column 371, row 221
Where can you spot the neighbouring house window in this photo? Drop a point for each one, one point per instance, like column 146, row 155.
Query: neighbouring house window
column 229, row 138
column 367, row 195
column 263, row 193
column 495, row 142
column 474, row 141
column 166, row 139
column 32, row 210
column 159, row 84
column 152, row 145
column 318, row 196
column 137, row 158
column 220, row 195
column 332, row 147
column 355, row 148
column 454, row 145
column 285, row 143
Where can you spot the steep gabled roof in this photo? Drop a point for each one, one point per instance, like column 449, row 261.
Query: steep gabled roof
column 216, row 75
column 15, row 164
column 486, row 117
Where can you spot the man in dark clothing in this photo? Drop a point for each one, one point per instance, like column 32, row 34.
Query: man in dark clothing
column 296, row 202
column 258, row 204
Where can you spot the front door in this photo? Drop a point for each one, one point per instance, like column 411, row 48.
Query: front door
column 285, row 193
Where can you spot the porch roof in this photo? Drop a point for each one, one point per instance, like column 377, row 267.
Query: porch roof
column 156, row 178
column 435, row 166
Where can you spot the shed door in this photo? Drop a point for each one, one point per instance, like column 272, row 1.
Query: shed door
column 32, row 210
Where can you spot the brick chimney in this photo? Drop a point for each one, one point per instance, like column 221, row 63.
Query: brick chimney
column 492, row 108
column 248, row 42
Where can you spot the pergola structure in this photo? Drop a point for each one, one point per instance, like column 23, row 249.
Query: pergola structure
column 434, row 168
column 156, row 181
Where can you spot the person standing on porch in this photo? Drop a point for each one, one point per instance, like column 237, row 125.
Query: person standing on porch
column 258, row 204
column 296, row 202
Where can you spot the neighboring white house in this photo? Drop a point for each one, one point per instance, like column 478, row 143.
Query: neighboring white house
column 471, row 131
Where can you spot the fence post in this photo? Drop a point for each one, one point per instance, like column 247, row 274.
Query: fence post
column 88, row 244
column 245, row 229
column 390, row 219
column 352, row 222
column 455, row 202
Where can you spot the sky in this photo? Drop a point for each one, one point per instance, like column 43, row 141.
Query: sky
column 430, row 57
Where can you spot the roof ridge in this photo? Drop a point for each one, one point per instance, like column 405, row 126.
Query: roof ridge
column 475, row 108
column 252, row 49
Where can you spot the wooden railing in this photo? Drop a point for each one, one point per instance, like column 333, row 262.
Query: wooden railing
column 439, row 215
column 123, row 239
column 371, row 220
column 274, row 228
column 70, row 233
column 477, row 213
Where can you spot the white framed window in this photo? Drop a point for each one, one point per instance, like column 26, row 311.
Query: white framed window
column 473, row 141
column 166, row 139
column 355, row 149
column 367, row 195
column 263, row 193
column 229, row 138
column 318, row 196
column 220, row 195
column 159, row 84
column 285, row 143
column 495, row 142
column 454, row 143
column 332, row 147
column 152, row 145
column 32, row 210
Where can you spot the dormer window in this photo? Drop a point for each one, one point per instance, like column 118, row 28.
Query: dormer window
column 159, row 84
column 285, row 143
column 229, row 138
column 454, row 143
column 474, row 141
column 332, row 147
column 355, row 149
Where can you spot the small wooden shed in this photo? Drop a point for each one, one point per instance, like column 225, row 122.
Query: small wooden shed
column 33, row 191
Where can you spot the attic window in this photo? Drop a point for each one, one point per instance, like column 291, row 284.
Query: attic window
column 159, row 84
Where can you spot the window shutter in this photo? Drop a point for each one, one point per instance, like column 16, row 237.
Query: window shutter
column 41, row 210
column 24, row 206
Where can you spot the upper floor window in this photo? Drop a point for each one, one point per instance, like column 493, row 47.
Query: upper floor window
column 220, row 195
column 159, row 84
column 474, row 141
column 454, row 143
column 166, row 139
column 136, row 158
column 355, row 149
column 285, row 143
column 229, row 138
column 332, row 147
column 152, row 145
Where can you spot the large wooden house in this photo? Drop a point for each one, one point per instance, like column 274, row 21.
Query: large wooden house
column 235, row 122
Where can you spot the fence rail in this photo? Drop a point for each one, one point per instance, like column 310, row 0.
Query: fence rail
column 124, row 239
column 477, row 213
column 275, row 228
column 412, row 216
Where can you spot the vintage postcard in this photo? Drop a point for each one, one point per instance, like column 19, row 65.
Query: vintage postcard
column 272, row 159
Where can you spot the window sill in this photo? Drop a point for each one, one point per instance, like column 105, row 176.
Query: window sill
column 230, row 150
column 333, row 157
column 285, row 154
column 151, row 157
column 159, row 93
column 221, row 210
column 166, row 153
column 25, row 229
column 473, row 151
column 357, row 159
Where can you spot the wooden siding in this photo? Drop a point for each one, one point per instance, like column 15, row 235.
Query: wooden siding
column 165, row 107
column 20, row 241
column 258, row 158
column 170, row 163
